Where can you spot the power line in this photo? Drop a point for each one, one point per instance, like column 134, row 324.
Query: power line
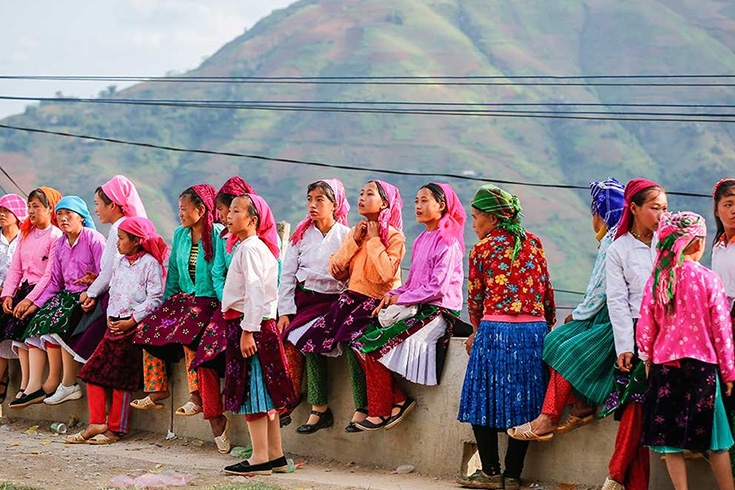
column 312, row 163
column 607, row 115
column 12, row 180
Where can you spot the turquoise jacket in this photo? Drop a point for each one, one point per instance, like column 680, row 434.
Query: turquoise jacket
column 178, row 280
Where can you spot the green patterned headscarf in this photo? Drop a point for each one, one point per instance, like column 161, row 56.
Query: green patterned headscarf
column 493, row 200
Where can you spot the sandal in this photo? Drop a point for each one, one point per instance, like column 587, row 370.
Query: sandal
column 101, row 439
column 222, row 441
column 370, row 426
column 408, row 405
column 146, row 404
column 77, row 438
column 188, row 409
column 525, row 433
column 573, row 422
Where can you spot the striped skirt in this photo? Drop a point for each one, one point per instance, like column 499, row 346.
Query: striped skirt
column 506, row 377
column 583, row 353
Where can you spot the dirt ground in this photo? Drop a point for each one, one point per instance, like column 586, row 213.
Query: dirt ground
column 38, row 458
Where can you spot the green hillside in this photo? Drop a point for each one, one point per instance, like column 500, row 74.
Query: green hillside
column 418, row 37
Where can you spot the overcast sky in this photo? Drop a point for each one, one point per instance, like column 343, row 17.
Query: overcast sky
column 120, row 37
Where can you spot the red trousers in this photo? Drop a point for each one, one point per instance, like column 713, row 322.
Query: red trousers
column 295, row 369
column 118, row 420
column 630, row 463
column 382, row 390
column 209, row 390
column 558, row 395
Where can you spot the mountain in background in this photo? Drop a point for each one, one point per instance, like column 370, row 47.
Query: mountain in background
column 417, row 38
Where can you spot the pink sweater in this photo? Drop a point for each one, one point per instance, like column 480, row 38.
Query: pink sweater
column 699, row 326
column 32, row 262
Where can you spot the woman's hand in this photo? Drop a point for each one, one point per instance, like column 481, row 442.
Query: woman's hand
column 360, row 232
column 24, row 308
column 569, row 318
column 387, row 300
column 247, row 344
column 373, row 229
column 283, row 322
column 8, row 305
column 728, row 388
column 88, row 279
column 338, row 272
column 625, row 361
column 468, row 343
column 88, row 303
column 119, row 327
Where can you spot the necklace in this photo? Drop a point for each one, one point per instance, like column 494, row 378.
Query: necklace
column 644, row 238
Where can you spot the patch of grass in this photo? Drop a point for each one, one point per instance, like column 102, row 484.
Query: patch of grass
column 10, row 486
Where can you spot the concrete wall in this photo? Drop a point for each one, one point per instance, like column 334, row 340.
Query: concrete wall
column 431, row 439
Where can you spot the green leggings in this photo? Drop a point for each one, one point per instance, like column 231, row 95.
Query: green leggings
column 316, row 379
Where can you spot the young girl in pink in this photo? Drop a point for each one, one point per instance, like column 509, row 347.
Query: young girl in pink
column 136, row 290
column 256, row 382
column 684, row 336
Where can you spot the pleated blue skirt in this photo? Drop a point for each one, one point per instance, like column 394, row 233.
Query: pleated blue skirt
column 506, row 377
column 259, row 401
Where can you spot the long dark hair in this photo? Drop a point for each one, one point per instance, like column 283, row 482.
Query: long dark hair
column 725, row 189
column 438, row 194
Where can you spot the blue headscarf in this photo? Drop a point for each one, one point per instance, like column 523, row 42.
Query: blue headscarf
column 76, row 204
column 608, row 200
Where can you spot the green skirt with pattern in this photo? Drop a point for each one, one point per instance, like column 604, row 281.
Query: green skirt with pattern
column 583, row 353
column 59, row 315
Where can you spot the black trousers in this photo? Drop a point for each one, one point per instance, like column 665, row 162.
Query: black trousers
column 487, row 447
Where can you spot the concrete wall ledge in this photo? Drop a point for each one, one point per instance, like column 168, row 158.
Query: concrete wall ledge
column 431, row 438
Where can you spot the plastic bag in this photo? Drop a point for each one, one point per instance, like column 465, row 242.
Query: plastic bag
column 395, row 313
column 150, row 480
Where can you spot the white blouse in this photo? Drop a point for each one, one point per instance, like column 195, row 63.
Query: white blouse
column 723, row 263
column 7, row 249
column 251, row 286
column 110, row 256
column 629, row 264
column 135, row 289
column 307, row 262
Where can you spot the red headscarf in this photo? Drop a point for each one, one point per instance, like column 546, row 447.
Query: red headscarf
column 451, row 225
column 267, row 227
column 631, row 189
column 150, row 240
column 235, row 186
column 207, row 193
column 53, row 197
column 390, row 216
column 341, row 208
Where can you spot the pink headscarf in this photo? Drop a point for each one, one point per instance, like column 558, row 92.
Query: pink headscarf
column 341, row 208
column 207, row 194
column 150, row 240
column 16, row 205
column 123, row 193
column 451, row 225
column 631, row 189
column 267, row 227
column 390, row 216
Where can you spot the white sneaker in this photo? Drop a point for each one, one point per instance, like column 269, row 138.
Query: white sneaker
column 64, row 394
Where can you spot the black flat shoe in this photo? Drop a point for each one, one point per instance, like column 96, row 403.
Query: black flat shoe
column 351, row 427
column 279, row 465
column 244, row 469
column 285, row 420
column 370, row 426
column 326, row 420
column 405, row 409
column 28, row 399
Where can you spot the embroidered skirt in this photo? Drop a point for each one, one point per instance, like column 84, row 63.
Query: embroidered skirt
column 12, row 328
column 116, row 363
column 583, row 353
column 59, row 315
column 345, row 321
column 270, row 361
column 506, row 377
column 180, row 320
column 213, row 344
column 87, row 334
column 679, row 408
column 309, row 306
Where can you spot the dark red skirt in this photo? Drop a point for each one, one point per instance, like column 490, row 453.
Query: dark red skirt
column 179, row 321
column 344, row 321
column 116, row 363
column 309, row 305
column 89, row 331
column 213, row 344
column 272, row 360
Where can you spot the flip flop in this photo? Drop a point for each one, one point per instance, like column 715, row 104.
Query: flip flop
column 77, row 438
column 188, row 409
column 573, row 422
column 525, row 433
column 146, row 404
column 101, row 439
column 223, row 441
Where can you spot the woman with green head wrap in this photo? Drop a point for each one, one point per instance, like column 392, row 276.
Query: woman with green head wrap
column 511, row 307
